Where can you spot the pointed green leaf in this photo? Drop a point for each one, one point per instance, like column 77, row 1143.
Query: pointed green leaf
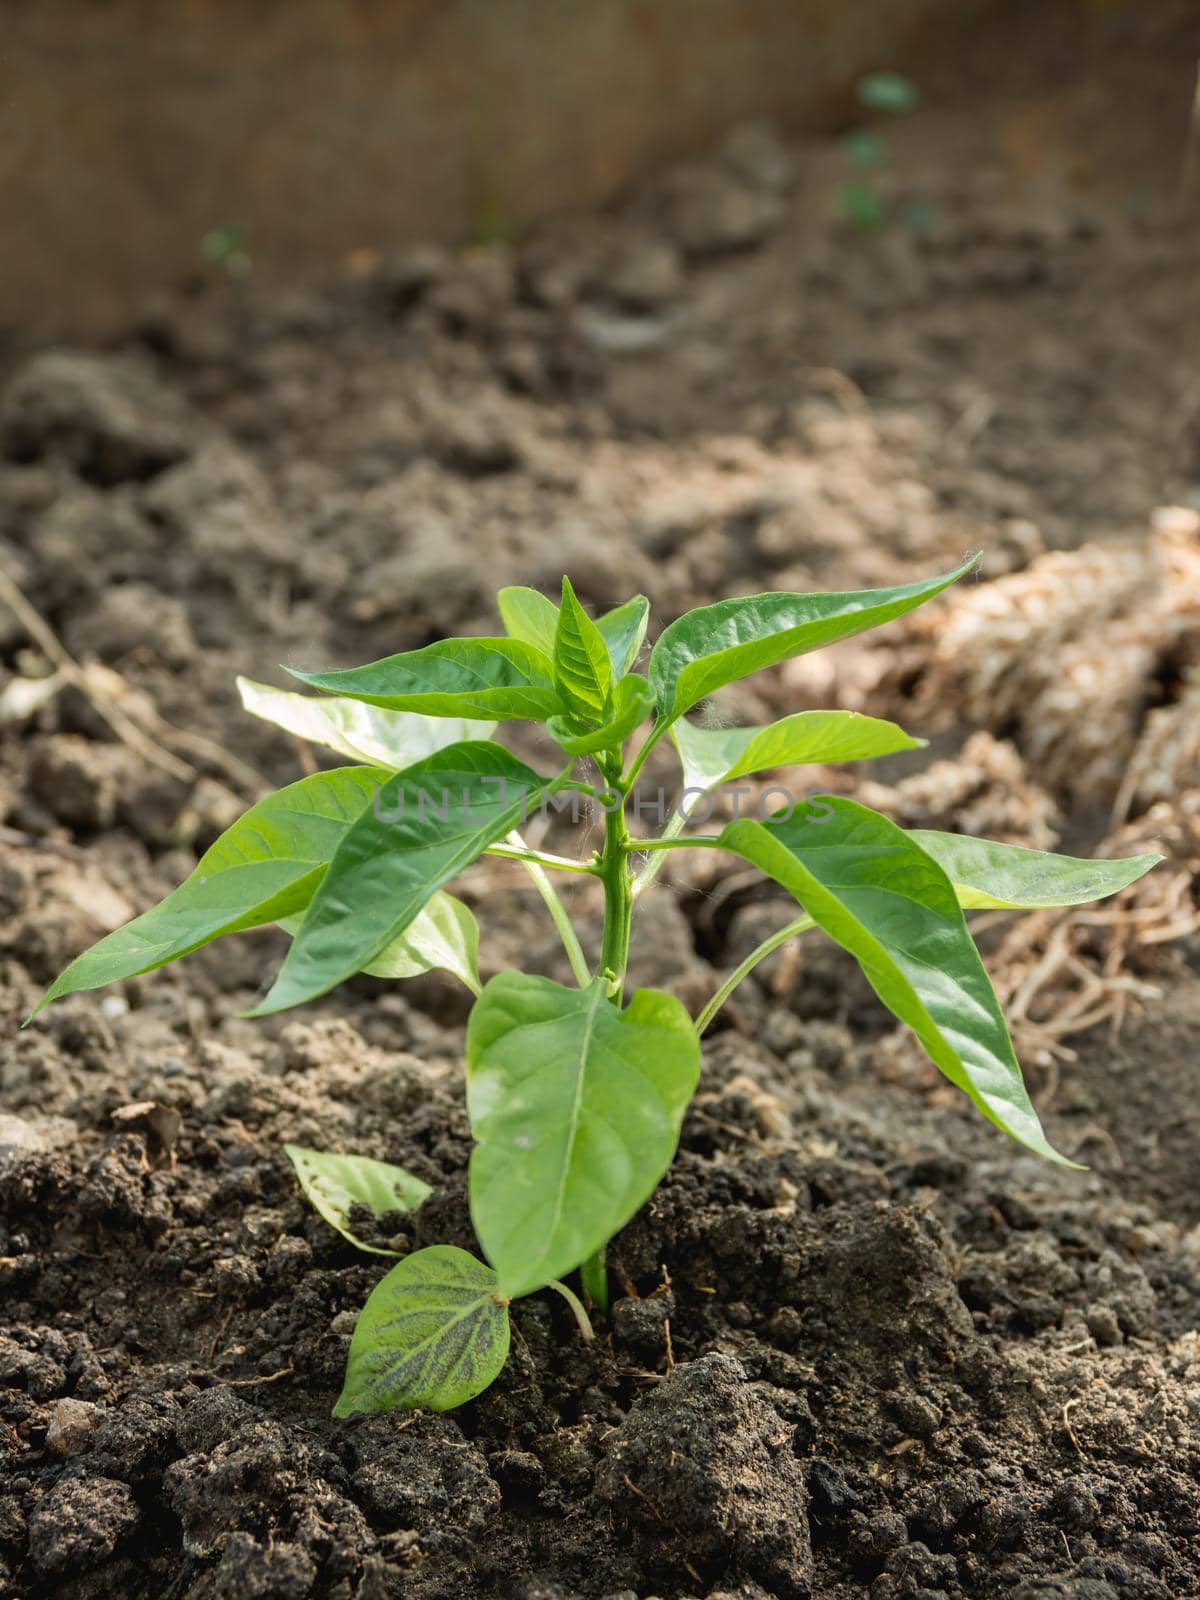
column 582, row 670
column 711, row 756
column 501, row 679
column 432, row 1335
column 363, row 732
column 264, row 868
column 623, row 630
column 1007, row 877
column 335, row 1183
column 444, row 934
column 717, row 644
column 880, row 896
column 528, row 615
column 427, row 823
column 632, row 704
column 575, row 1106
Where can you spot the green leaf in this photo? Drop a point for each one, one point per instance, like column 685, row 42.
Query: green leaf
column 864, row 148
column 432, row 1335
column 264, row 868
column 445, row 934
column 717, row 644
column 888, row 91
column 712, row 756
column 501, row 679
column 875, row 892
column 575, row 1106
column 334, row 1183
column 528, row 615
column 367, row 733
column 428, row 823
column 582, row 670
column 1006, row 877
column 862, row 206
column 623, row 630
column 632, row 703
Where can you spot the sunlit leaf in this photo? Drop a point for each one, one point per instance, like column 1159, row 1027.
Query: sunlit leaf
column 1008, row 877
column 500, row 679
column 582, row 670
column 432, row 1335
column 875, row 892
column 444, row 934
column 363, row 732
column 711, row 756
column 529, row 615
column 427, row 823
column 575, row 1105
column 717, row 644
column 623, row 630
column 632, row 704
column 266, row 867
column 336, row 1183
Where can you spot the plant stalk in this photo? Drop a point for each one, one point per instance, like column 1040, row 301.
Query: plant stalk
column 557, row 910
column 759, row 953
column 593, row 1275
column 613, row 869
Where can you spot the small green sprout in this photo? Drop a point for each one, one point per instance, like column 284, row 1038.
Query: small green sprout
column 861, row 200
column 576, row 1094
column 226, row 248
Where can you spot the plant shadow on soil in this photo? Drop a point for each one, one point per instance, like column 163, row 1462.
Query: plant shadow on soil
column 860, row 1344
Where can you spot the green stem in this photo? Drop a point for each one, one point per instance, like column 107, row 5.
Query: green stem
column 557, row 910
column 652, row 738
column 760, row 953
column 653, row 867
column 613, row 870
column 593, row 1274
column 583, row 1321
column 695, row 841
column 540, row 858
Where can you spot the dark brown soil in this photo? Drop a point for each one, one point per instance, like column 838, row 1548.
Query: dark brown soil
column 863, row 1345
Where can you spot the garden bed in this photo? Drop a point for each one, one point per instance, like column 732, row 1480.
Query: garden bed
column 862, row 1345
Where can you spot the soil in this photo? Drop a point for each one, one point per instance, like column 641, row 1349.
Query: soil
column 862, row 1345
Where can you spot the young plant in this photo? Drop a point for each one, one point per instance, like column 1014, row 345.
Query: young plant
column 576, row 1094
column 863, row 200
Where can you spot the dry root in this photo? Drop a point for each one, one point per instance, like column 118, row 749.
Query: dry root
column 1071, row 658
column 1088, row 664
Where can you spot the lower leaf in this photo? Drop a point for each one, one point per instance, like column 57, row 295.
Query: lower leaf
column 335, row 1183
column 576, row 1107
column 432, row 1335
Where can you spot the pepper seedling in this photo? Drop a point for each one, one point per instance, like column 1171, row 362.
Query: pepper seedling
column 576, row 1094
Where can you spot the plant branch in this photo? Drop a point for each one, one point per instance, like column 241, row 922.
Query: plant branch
column 697, row 841
column 652, row 738
column 653, row 867
column 540, row 858
column 555, row 907
column 759, row 953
